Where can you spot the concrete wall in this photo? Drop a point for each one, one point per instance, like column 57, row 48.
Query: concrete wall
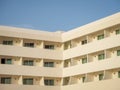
column 95, row 46
column 28, row 87
column 92, row 67
column 30, row 70
column 30, row 34
column 30, row 52
column 102, row 85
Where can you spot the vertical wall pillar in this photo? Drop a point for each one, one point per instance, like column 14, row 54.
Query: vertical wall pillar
column 42, row 81
column 20, row 81
column 21, row 42
column 42, row 44
column 41, row 63
column 20, row 61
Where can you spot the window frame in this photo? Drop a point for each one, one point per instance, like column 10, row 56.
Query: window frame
column 48, row 64
column 32, row 45
column 5, row 80
column 101, row 56
column 83, row 79
column 118, row 52
column 101, row 36
column 83, row 42
column 6, row 61
column 49, row 47
column 84, row 60
column 117, row 31
column 28, row 81
column 118, row 74
column 49, row 82
column 7, row 42
column 101, row 76
column 28, row 62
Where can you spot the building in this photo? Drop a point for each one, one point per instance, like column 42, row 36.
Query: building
column 85, row 58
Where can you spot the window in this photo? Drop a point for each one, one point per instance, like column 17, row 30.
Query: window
column 5, row 80
column 101, row 56
column 101, row 76
column 118, row 74
column 49, row 46
column 28, row 44
column 117, row 31
column 99, row 37
column 6, row 61
column 49, row 82
column 48, row 64
column 83, row 79
column 28, row 62
column 84, row 42
column 84, row 60
column 67, row 45
column 7, row 42
column 118, row 52
column 28, row 81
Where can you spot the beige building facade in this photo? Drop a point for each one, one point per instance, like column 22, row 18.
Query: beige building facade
column 85, row 58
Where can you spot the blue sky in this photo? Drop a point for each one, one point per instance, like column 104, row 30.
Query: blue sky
column 53, row 15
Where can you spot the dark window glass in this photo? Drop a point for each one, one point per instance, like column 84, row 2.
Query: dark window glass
column 83, row 79
column 101, row 56
column 84, row 42
column 100, row 37
column 101, row 76
column 48, row 64
column 28, row 81
column 2, row 60
column 117, row 31
column 118, row 52
column 28, row 44
column 49, row 82
column 28, row 62
column 5, row 80
column 84, row 60
column 49, row 46
column 6, row 61
column 8, row 42
column 118, row 74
